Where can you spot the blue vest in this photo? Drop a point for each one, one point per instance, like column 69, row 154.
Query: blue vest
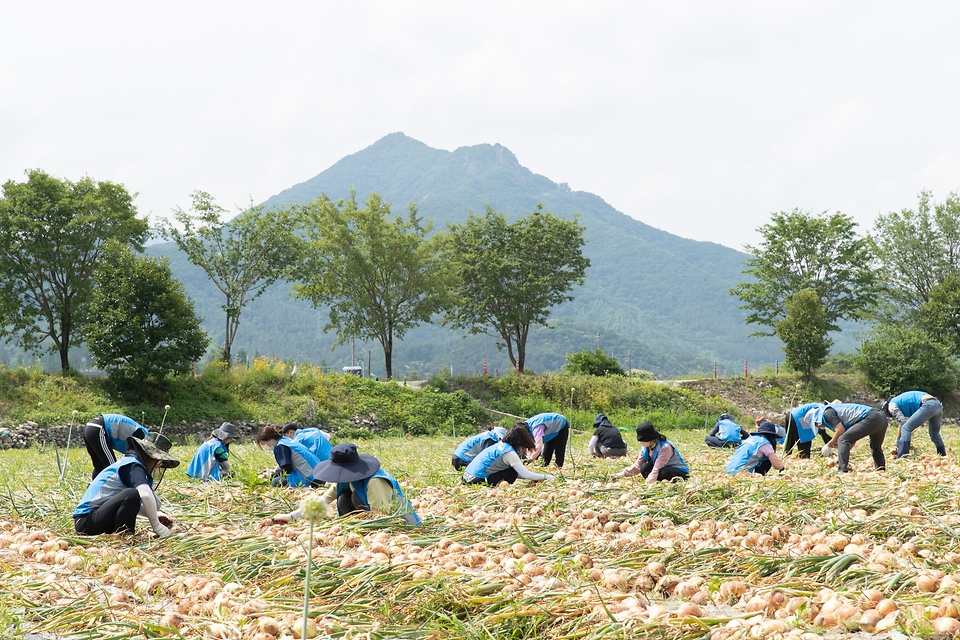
column 489, row 461
column 106, row 485
column 315, row 441
column 119, row 428
column 473, row 445
column 676, row 460
column 908, row 402
column 360, row 489
column 747, row 456
column 803, row 417
column 204, row 464
column 729, row 430
column 553, row 424
column 849, row 413
column 303, row 462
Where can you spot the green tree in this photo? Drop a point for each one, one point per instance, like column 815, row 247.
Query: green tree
column 242, row 257
column 593, row 363
column 919, row 249
column 52, row 232
column 940, row 315
column 897, row 359
column 142, row 325
column 508, row 276
column 380, row 277
column 804, row 332
column 801, row 251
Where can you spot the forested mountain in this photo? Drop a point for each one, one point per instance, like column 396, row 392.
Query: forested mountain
column 658, row 297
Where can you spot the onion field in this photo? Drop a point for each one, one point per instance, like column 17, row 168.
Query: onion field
column 803, row 554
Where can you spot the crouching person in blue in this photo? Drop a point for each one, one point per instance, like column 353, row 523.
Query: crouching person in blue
column 357, row 483
column 911, row 409
column 295, row 461
column 851, row 422
column 124, row 490
column 211, row 461
column 467, row 450
column 108, row 433
column 658, row 459
column 606, row 441
column 501, row 462
column 757, row 454
column 726, row 433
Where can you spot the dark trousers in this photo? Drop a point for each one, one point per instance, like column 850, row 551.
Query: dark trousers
column 763, row 467
column 874, row 426
column 458, row 462
column 793, row 438
column 508, row 475
column 349, row 501
column 557, row 446
column 116, row 515
column 714, row 441
column 667, row 473
column 98, row 446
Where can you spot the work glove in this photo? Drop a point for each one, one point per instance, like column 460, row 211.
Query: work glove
column 161, row 530
column 828, row 451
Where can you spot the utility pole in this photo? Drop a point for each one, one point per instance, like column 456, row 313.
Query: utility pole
column 629, row 362
column 353, row 352
column 598, row 341
column 368, row 363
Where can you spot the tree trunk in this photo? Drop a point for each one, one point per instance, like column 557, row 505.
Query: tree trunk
column 388, row 360
column 64, row 346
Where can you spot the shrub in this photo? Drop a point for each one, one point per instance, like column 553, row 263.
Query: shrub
column 592, row 363
column 898, row 359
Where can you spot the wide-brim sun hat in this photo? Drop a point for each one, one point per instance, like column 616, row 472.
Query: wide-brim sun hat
column 768, row 429
column 155, row 446
column 346, row 465
column 226, row 432
column 646, row 432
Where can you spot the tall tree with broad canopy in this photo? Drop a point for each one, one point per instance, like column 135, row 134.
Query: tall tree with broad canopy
column 52, row 232
column 241, row 257
column 142, row 324
column 379, row 276
column 508, row 276
column 918, row 250
column 802, row 251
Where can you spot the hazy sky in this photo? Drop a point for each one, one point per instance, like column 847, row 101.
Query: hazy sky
column 699, row 118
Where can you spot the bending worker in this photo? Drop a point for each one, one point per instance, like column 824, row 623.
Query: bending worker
column 550, row 433
column 851, row 422
column 467, row 450
column 726, row 433
column 911, row 409
column 108, row 433
column 606, row 441
column 211, row 461
column 757, row 454
column 357, row 483
column 501, row 462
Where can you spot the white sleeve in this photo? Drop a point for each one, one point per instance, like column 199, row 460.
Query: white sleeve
column 592, row 446
column 513, row 460
column 898, row 415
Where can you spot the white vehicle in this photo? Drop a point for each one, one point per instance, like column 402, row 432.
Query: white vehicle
column 353, row 371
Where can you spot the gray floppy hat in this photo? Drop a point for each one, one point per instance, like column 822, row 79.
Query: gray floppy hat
column 155, row 446
column 226, row 432
column 346, row 465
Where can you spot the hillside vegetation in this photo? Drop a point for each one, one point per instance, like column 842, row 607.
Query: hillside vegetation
column 268, row 391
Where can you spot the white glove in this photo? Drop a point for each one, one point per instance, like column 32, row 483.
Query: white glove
column 828, row 451
column 161, row 530
column 620, row 474
column 547, row 476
